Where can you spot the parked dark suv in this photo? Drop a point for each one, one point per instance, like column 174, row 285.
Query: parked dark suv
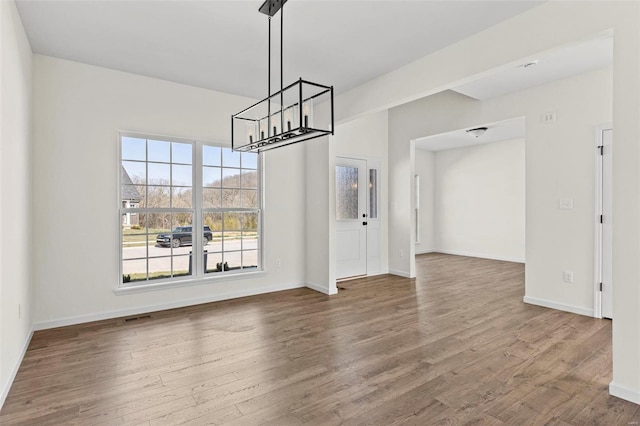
column 181, row 236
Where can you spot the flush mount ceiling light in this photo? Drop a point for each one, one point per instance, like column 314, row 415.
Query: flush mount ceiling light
column 287, row 116
column 477, row 132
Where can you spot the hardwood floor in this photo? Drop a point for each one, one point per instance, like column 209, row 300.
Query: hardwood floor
column 455, row 346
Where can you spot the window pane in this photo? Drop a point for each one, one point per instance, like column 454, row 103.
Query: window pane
column 230, row 158
column 181, row 233
column 373, row 193
column 249, row 199
column 214, row 262
column 182, row 198
column 134, row 149
column 158, row 196
column 213, row 221
column 249, row 179
column 134, row 173
column 181, row 175
column 135, row 239
column 249, row 160
column 249, row 240
column 159, row 174
column 182, row 153
column 233, row 260
column 230, row 178
column 159, row 267
column 249, row 222
column 215, row 245
column 135, row 251
column 159, row 151
column 134, row 270
column 133, row 184
column 131, row 196
column 250, row 259
column 211, row 177
column 211, row 198
column 142, row 219
column 211, row 156
column 182, row 222
column 182, row 266
column 159, row 222
column 230, row 198
column 232, row 222
column 346, row 192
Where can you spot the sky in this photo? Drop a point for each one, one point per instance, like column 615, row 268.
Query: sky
column 173, row 161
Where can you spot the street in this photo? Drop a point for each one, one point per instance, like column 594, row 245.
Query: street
column 160, row 257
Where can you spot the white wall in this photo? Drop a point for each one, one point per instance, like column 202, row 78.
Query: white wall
column 508, row 44
column 15, row 191
column 406, row 123
column 425, row 168
column 78, row 110
column 560, row 163
column 368, row 137
column 479, row 200
column 320, row 216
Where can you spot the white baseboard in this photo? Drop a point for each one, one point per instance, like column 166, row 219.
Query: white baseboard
column 625, row 393
column 558, row 306
column 426, row 251
column 481, row 255
column 43, row 325
column 16, row 367
column 321, row 289
column 400, row 273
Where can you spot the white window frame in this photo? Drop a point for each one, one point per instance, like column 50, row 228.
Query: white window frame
column 198, row 274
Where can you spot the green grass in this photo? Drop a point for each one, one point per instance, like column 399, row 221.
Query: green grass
column 156, row 275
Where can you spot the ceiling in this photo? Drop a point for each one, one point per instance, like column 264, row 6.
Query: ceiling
column 496, row 132
column 221, row 45
column 563, row 62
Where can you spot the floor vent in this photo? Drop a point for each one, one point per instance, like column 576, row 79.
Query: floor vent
column 137, row 318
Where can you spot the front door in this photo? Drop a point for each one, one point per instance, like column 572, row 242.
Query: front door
column 351, row 217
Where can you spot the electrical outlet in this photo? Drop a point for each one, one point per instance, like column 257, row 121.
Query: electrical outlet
column 566, row 203
column 401, row 253
column 567, row 276
column 278, row 263
column 19, row 311
column 549, row 117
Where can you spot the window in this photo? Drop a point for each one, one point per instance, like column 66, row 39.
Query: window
column 170, row 188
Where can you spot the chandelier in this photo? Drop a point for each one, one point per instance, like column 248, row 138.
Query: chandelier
column 286, row 116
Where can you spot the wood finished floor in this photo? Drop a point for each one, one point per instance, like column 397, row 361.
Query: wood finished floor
column 455, row 346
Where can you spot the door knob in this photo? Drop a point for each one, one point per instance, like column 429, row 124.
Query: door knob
column 364, row 223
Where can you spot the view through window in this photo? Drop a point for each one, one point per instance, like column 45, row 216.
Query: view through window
column 169, row 189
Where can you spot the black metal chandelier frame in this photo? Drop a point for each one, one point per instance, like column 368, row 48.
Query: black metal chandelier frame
column 264, row 125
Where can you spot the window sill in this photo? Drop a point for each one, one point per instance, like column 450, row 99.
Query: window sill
column 143, row 288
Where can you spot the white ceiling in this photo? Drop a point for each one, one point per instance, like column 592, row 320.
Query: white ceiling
column 496, row 132
column 221, row 45
column 559, row 63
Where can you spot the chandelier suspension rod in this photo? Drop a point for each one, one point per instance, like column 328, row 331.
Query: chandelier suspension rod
column 281, row 68
column 269, row 81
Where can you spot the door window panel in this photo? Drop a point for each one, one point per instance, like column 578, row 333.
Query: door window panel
column 346, row 193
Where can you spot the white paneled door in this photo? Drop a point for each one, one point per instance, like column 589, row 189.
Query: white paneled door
column 351, row 217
